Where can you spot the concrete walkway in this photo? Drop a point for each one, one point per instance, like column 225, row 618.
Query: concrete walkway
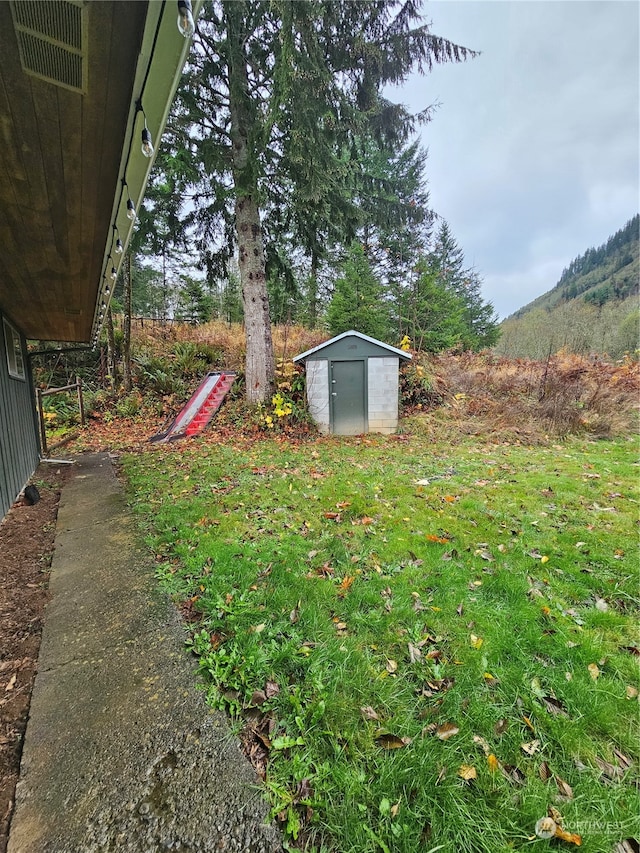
column 121, row 752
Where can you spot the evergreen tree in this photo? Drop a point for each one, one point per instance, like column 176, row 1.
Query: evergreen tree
column 481, row 328
column 358, row 301
column 395, row 213
column 194, row 304
column 275, row 98
column 432, row 315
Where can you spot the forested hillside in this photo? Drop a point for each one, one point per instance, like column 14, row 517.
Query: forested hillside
column 592, row 309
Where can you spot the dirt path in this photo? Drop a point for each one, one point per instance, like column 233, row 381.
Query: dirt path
column 26, row 545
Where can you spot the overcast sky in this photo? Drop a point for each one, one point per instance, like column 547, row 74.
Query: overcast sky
column 533, row 151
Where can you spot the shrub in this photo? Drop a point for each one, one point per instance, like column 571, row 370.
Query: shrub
column 129, row 406
column 156, row 375
column 420, row 387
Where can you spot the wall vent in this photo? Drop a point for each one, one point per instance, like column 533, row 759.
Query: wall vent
column 51, row 38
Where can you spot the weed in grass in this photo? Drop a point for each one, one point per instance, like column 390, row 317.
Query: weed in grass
column 426, row 646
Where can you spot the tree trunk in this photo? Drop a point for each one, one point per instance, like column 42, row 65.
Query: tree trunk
column 126, row 325
column 313, row 291
column 259, row 365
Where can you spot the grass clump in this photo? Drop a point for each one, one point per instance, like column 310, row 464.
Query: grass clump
column 427, row 645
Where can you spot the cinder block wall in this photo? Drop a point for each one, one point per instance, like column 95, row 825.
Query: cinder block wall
column 318, row 393
column 383, row 394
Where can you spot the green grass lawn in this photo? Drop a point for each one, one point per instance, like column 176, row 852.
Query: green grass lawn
column 425, row 644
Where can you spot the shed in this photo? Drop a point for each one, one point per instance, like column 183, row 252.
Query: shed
column 353, row 384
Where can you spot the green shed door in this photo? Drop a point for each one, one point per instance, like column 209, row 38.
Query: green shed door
column 347, row 397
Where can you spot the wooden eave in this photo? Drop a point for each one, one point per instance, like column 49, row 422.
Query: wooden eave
column 63, row 156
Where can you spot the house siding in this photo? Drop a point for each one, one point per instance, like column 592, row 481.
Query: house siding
column 19, row 443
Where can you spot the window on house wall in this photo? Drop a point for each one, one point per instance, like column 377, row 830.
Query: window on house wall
column 15, row 359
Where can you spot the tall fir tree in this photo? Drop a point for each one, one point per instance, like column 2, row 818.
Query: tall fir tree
column 481, row 327
column 431, row 314
column 358, row 300
column 271, row 108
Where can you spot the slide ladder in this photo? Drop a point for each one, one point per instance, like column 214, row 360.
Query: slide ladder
column 196, row 414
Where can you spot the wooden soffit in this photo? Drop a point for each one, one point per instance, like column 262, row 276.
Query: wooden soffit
column 72, row 76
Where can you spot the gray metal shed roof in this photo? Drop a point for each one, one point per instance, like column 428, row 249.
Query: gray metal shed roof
column 392, row 350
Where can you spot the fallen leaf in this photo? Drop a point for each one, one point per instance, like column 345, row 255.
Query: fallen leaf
column 631, row 691
column 513, row 774
column 333, row 516
column 623, row 759
column 594, row 671
column 482, row 743
column 467, row 772
column 258, row 697
column 609, row 770
column 570, row 837
column 476, row 642
column 437, row 685
column 530, row 748
column 390, row 741
column 271, row 689
column 12, row 682
column 345, row 583
column 485, row 554
column 544, row 559
column 414, row 653
column 564, row 788
column 368, row 713
column 460, row 609
column 629, row 845
column 430, row 537
column 304, row 791
column 528, row 723
column 394, row 810
column 601, row 605
column 554, row 706
column 447, row 730
column 391, row 666
column 544, row 772
column 501, row 726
